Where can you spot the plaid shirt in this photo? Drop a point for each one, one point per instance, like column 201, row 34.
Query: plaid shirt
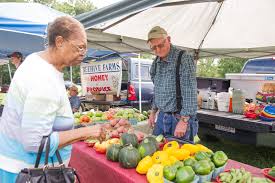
column 163, row 75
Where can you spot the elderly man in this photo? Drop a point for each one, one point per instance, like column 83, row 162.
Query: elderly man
column 175, row 88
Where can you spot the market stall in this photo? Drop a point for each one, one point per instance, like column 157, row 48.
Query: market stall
column 94, row 167
column 128, row 155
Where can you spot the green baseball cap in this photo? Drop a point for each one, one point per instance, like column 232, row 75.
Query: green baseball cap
column 157, row 32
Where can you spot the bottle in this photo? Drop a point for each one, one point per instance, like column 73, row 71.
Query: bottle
column 230, row 91
column 237, row 101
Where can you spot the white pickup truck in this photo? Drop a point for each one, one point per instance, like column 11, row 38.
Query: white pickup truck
column 236, row 127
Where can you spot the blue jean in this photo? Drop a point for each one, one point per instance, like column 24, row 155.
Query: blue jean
column 167, row 122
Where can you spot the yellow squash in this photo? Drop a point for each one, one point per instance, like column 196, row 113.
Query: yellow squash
column 144, row 165
column 180, row 154
column 171, row 144
column 161, row 157
column 173, row 160
column 155, row 174
column 203, row 148
column 191, row 148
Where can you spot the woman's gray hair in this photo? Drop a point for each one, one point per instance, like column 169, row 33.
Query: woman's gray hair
column 63, row 26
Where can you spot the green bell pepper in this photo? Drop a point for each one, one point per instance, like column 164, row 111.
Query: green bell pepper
column 203, row 167
column 272, row 172
column 219, row 158
column 169, row 172
column 185, row 175
column 201, row 155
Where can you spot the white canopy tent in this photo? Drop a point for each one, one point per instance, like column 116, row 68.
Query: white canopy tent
column 227, row 28
column 209, row 28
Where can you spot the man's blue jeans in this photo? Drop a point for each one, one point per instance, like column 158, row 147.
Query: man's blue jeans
column 166, row 124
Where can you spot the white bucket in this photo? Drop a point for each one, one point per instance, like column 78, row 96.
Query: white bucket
column 223, row 99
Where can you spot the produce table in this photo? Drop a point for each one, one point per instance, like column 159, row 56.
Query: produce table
column 93, row 167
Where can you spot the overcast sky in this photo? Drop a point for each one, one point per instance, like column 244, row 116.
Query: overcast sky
column 102, row 3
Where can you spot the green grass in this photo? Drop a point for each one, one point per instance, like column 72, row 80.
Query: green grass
column 261, row 157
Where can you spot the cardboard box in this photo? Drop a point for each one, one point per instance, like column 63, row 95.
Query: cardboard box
column 99, row 97
column 111, row 98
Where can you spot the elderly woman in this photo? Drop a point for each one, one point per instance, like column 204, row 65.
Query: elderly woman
column 37, row 104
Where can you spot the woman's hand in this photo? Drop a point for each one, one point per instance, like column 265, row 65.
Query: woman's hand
column 71, row 136
column 96, row 131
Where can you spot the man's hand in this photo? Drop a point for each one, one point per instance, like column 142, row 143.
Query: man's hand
column 75, row 110
column 152, row 118
column 181, row 127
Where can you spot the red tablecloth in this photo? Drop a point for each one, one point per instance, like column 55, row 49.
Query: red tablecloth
column 94, row 168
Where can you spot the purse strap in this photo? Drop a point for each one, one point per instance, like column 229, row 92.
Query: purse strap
column 58, row 157
column 40, row 150
column 47, row 151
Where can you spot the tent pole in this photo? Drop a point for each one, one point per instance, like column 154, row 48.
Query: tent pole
column 214, row 20
column 9, row 68
column 71, row 73
column 139, row 83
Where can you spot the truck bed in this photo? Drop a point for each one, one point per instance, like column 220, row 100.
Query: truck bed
column 236, row 127
column 235, row 120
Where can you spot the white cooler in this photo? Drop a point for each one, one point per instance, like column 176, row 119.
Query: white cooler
column 250, row 84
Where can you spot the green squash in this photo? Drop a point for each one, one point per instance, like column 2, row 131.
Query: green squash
column 127, row 138
column 153, row 141
column 112, row 152
column 146, row 148
column 129, row 157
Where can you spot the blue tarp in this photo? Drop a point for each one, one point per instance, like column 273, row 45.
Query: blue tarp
column 23, row 28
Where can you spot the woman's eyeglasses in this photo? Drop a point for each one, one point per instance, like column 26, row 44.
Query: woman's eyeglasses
column 79, row 48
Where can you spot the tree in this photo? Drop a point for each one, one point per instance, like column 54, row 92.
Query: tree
column 207, row 68
column 76, row 74
column 10, row 1
column 71, row 7
column 230, row 65
column 4, row 76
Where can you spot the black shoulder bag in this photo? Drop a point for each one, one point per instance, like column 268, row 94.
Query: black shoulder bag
column 47, row 174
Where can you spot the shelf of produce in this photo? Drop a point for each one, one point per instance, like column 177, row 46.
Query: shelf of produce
column 111, row 103
column 93, row 167
column 235, row 121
